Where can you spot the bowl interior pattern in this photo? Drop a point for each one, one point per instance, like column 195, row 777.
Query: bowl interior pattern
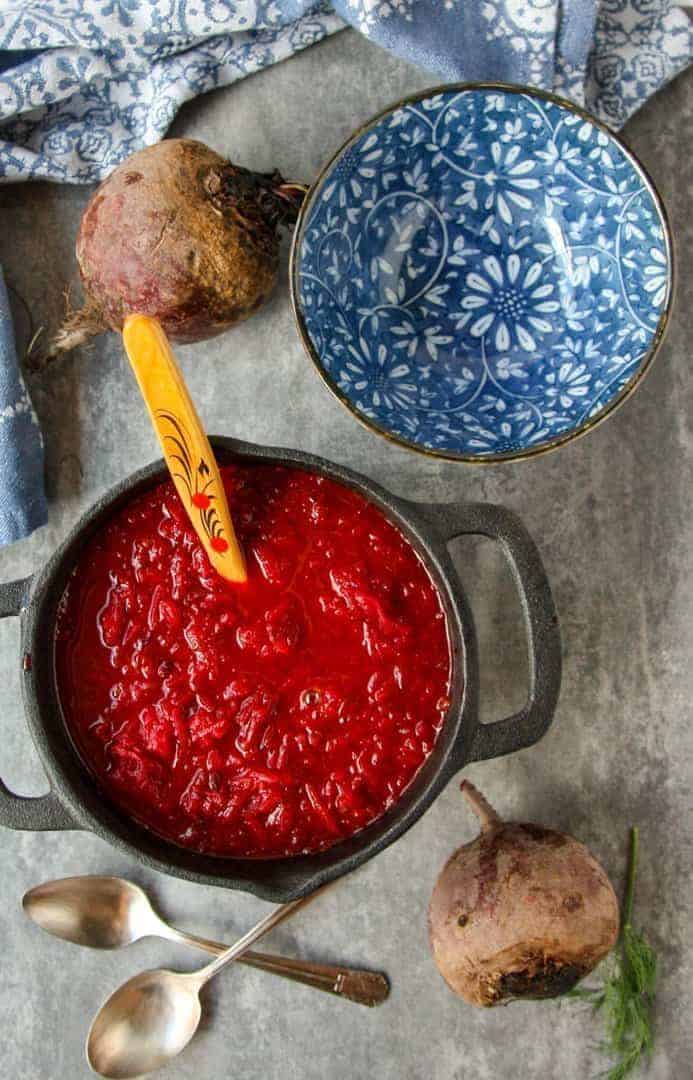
column 482, row 272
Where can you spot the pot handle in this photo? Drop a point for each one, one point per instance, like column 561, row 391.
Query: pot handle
column 43, row 812
column 543, row 633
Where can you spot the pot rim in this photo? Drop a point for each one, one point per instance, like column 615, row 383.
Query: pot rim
column 559, row 440
column 78, row 792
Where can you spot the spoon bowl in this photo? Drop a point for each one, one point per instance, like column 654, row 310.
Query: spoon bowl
column 144, row 1024
column 153, row 1016
column 99, row 912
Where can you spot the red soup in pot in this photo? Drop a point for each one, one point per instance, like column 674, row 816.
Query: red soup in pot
column 267, row 719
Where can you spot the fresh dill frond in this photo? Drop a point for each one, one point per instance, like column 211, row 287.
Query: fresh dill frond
column 626, row 998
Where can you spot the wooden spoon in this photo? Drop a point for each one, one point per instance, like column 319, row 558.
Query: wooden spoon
column 189, row 456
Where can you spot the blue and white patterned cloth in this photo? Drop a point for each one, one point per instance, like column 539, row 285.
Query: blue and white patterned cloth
column 22, row 499
column 84, row 83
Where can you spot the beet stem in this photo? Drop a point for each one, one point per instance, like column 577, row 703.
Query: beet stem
column 630, row 880
column 260, row 201
column 488, row 818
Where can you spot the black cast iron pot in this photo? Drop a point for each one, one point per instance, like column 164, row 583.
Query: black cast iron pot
column 75, row 802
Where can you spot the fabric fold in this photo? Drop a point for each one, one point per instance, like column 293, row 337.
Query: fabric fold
column 22, row 497
column 109, row 78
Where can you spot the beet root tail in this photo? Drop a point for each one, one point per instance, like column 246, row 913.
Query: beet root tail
column 78, row 327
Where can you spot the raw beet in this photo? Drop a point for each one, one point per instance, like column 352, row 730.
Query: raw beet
column 521, row 912
column 179, row 233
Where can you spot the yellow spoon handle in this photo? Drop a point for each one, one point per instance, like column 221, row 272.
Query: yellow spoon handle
column 189, row 456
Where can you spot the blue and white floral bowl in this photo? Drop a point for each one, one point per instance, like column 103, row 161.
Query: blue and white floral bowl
column 482, row 272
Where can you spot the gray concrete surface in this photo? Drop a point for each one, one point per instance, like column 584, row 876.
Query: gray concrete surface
column 613, row 516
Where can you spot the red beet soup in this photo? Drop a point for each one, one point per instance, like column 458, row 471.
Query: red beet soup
column 266, row 719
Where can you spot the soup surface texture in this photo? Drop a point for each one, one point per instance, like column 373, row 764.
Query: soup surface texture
column 266, row 719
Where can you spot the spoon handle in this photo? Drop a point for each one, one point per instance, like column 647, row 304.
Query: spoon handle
column 357, row 985
column 272, row 919
column 189, row 456
column 363, row 987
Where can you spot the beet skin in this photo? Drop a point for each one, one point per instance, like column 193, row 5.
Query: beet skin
column 521, row 912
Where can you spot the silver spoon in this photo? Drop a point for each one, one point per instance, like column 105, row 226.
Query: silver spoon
column 109, row 913
column 153, row 1016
